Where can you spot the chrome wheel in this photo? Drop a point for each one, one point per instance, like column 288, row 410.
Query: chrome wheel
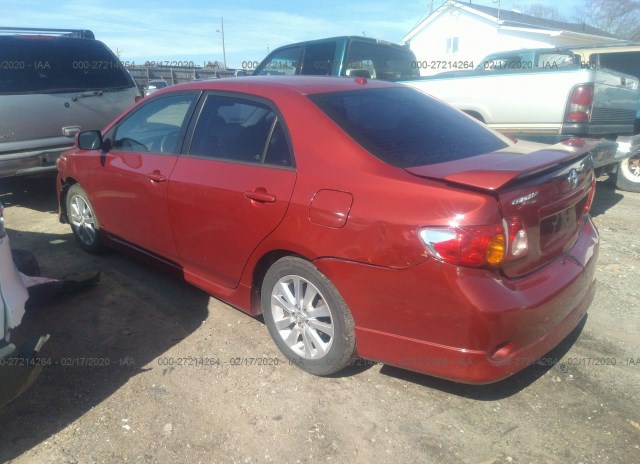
column 82, row 217
column 302, row 317
column 82, row 220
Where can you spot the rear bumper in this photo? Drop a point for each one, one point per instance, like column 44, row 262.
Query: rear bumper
column 31, row 163
column 467, row 325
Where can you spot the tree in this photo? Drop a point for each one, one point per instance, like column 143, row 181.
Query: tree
column 620, row 17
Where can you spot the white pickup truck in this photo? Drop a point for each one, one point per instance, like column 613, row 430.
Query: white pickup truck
column 542, row 95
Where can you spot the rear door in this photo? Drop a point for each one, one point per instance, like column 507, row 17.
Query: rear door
column 232, row 188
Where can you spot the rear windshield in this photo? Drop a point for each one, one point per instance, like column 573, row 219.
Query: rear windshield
column 47, row 65
column 407, row 128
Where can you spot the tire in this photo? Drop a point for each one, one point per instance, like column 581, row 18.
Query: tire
column 307, row 318
column 628, row 174
column 84, row 222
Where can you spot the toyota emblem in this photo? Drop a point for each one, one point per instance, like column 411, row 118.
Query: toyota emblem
column 572, row 178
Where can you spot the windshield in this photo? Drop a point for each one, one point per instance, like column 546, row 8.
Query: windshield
column 407, row 128
column 47, row 65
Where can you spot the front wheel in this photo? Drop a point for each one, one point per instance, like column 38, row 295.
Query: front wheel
column 628, row 175
column 307, row 318
column 84, row 223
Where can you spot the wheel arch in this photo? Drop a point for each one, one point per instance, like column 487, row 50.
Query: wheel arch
column 65, row 185
column 260, row 270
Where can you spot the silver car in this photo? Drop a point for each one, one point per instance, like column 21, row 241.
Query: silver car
column 54, row 84
column 154, row 85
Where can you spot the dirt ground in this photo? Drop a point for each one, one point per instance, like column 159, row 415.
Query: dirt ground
column 147, row 369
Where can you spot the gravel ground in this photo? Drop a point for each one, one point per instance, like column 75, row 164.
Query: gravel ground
column 147, row 369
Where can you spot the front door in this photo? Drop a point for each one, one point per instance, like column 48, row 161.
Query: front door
column 130, row 185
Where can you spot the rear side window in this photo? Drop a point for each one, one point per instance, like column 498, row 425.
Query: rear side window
column 49, row 65
column 407, row 128
column 242, row 130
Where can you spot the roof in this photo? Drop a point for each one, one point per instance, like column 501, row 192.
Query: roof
column 270, row 85
column 512, row 19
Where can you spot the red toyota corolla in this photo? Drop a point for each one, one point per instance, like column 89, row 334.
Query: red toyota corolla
column 361, row 218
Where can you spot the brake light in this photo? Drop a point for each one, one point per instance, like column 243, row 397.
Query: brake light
column 476, row 246
column 592, row 194
column 580, row 104
column 138, row 98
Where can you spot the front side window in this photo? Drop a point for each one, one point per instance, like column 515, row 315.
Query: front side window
column 154, row 127
column 241, row 130
column 407, row 128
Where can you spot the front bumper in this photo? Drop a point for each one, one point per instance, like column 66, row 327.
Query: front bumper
column 464, row 324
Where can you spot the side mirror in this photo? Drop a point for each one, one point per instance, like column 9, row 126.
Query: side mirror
column 90, row 140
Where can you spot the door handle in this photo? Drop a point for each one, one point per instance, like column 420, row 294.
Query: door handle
column 260, row 196
column 156, row 177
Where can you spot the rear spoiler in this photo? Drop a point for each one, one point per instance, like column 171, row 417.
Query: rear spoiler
column 495, row 170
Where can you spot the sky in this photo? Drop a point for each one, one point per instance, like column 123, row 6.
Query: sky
column 190, row 30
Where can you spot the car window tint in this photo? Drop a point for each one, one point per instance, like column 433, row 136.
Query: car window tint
column 233, row 128
column 407, row 128
column 372, row 60
column 284, row 62
column 318, row 59
column 59, row 65
column 154, row 127
column 625, row 62
column 278, row 150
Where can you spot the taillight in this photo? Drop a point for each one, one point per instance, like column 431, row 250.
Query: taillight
column 138, row 98
column 592, row 194
column 476, row 246
column 580, row 104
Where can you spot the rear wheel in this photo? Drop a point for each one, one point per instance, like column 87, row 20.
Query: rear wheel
column 84, row 223
column 628, row 175
column 307, row 318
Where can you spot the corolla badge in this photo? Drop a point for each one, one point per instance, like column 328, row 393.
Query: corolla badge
column 572, row 178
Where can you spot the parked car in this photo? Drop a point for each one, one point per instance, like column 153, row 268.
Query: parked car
column 383, row 224
column 624, row 59
column 349, row 56
column 53, row 84
column 542, row 95
column 154, row 85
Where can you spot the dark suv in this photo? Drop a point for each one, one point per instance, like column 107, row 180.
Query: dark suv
column 53, row 84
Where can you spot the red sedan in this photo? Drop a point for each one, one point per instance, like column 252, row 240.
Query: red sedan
column 361, row 218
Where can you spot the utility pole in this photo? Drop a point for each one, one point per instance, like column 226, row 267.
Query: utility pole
column 224, row 53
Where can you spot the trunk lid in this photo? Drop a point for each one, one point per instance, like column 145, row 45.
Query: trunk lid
column 547, row 189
